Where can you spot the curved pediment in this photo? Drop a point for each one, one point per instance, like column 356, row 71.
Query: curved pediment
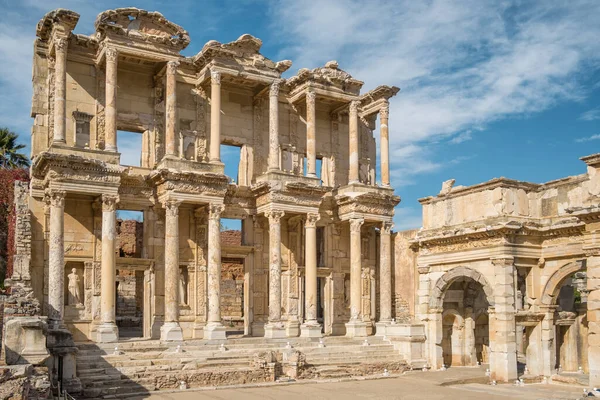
column 329, row 75
column 59, row 18
column 142, row 25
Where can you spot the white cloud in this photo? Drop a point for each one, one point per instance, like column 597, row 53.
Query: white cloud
column 590, row 115
column 587, row 139
column 461, row 137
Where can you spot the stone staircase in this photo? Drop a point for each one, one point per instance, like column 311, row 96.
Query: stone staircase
column 148, row 365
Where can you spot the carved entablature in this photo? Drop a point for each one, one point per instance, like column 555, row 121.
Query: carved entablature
column 75, row 173
column 239, row 201
column 141, row 26
column 369, row 205
column 289, row 196
column 329, row 76
column 58, row 22
column 377, row 99
column 188, row 185
column 135, row 186
column 241, row 55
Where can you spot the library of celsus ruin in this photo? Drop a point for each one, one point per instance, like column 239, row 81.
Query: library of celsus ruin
column 502, row 272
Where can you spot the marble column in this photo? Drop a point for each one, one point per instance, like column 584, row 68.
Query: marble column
column 385, row 145
column 385, row 277
column 215, row 117
column 56, row 258
column 110, row 109
column 311, row 128
column 548, row 340
column 353, row 128
column 503, row 342
column 310, row 327
column 274, row 127
column 355, row 327
column 171, row 109
column 171, row 330
column 107, row 330
column 60, row 90
column 214, row 329
column 593, row 316
column 274, row 328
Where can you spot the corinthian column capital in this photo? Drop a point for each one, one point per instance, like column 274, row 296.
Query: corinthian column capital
column 386, row 227
column 109, row 202
column 274, row 89
column 172, row 208
column 172, row 67
column 111, row 54
column 311, row 96
column 384, row 111
column 55, row 198
column 354, row 104
column 274, row 216
column 356, row 224
column 215, row 210
column 311, row 220
column 215, row 77
column 60, row 44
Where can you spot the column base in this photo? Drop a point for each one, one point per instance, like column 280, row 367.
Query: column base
column 107, row 332
column 292, row 328
column 356, row 329
column 275, row 330
column 215, row 331
column 380, row 328
column 170, row 332
column 311, row 330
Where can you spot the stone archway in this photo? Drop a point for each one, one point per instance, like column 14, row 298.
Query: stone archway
column 458, row 298
column 554, row 284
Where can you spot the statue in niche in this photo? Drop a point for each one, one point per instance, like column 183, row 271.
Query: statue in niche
column 74, row 291
column 182, row 288
column 190, row 151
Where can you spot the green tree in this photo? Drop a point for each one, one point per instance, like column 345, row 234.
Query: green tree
column 10, row 156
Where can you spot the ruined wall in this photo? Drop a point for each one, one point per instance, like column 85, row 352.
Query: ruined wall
column 130, row 238
column 404, row 276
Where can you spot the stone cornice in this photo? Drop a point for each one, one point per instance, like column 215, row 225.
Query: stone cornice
column 59, row 19
column 585, row 214
column 439, row 237
column 592, row 160
column 329, row 75
column 142, row 25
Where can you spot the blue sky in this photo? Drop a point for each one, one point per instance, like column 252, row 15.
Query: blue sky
column 489, row 88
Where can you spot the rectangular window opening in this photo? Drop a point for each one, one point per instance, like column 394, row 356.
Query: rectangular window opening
column 231, row 232
column 318, row 167
column 230, row 156
column 129, row 144
column 130, row 233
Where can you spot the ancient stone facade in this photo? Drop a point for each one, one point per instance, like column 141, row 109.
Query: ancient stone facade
column 309, row 253
column 507, row 270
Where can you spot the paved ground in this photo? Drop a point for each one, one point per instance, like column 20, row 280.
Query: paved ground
column 414, row 385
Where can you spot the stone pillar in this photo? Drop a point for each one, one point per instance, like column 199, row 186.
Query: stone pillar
column 353, row 127
column 215, row 117
column 171, row 329
column 56, row 258
column 274, row 127
column 385, row 278
column 60, row 90
column 548, row 341
column 274, row 328
column 171, row 109
column 310, row 327
column 311, row 128
column 214, row 328
column 593, row 317
column 110, row 109
column 385, row 145
column 533, row 354
column 503, row 360
column 355, row 327
column 107, row 330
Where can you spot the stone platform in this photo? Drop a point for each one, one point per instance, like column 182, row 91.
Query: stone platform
column 145, row 366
